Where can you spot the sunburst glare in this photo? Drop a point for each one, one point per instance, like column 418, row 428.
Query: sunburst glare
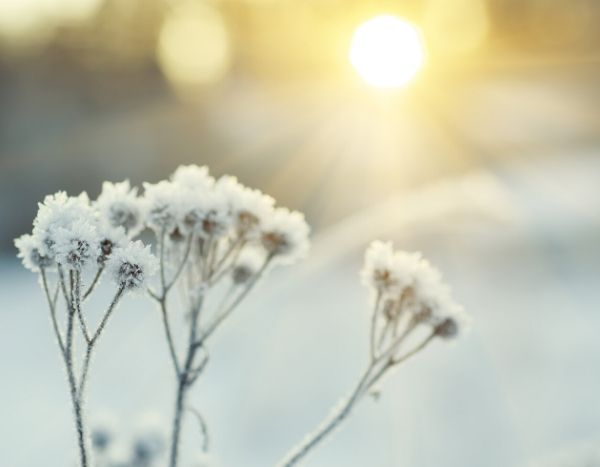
column 387, row 51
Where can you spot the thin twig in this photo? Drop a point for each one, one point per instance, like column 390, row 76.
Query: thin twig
column 186, row 255
column 225, row 314
column 92, row 341
column 203, row 428
column 81, row 319
column 52, row 305
column 169, row 336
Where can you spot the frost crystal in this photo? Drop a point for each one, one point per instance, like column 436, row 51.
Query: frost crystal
column 285, row 235
column 119, row 206
column 132, row 265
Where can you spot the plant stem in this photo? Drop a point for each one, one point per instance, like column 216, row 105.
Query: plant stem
column 183, row 386
column 328, row 425
column 76, row 401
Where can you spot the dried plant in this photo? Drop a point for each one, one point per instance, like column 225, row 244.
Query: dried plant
column 412, row 307
column 70, row 246
column 213, row 241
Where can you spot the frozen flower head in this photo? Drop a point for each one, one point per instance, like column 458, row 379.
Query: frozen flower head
column 162, row 203
column 132, row 265
column 110, row 240
column 193, row 177
column 248, row 207
column 77, row 246
column 30, row 252
column 205, row 213
column 118, row 206
column 247, row 265
column 410, row 284
column 285, row 235
column 58, row 213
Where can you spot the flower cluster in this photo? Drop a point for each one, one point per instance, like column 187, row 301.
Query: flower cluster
column 70, row 233
column 234, row 225
column 410, row 291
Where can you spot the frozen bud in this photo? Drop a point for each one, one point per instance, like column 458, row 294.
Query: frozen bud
column 249, row 207
column 110, row 239
column 285, row 235
column 447, row 328
column 30, row 252
column 247, row 265
column 205, row 213
column 132, row 265
column 162, row 203
column 193, row 177
column 77, row 246
column 119, row 206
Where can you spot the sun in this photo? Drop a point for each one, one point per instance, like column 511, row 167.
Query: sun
column 387, row 51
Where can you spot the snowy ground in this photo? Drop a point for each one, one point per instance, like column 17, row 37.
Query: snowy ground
column 520, row 248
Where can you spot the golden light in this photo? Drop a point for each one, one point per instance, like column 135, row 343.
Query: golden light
column 387, row 51
column 194, row 46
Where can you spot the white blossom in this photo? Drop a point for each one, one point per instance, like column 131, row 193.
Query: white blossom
column 132, row 265
column 119, row 206
column 30, row 253
column 285, row 235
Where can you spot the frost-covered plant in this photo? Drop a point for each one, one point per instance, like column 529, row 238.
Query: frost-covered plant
column 69, row 248
column 411, row 308
column 213, row 237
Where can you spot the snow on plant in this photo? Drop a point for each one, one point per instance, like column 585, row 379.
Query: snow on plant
column 412, row 307
column 208, row 233
column 69, row 245
column 213, row 241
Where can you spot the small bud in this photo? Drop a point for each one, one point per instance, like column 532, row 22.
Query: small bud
column 447, row 329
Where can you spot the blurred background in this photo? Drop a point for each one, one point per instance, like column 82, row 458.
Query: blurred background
column 468, row 129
